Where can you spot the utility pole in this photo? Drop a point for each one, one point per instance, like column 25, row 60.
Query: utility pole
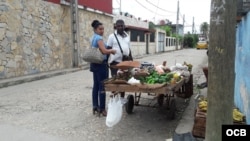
column 177, row 26
column 183, row 31
column 221, row 60
column 120, row 8
column 75, row 31
column 193, row 26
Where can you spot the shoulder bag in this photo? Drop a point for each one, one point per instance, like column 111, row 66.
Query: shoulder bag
column 92, row 55
column 124, row 57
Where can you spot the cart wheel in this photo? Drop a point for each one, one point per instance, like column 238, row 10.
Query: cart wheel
column 160, row 99
column 172, row 109
column 130, row 104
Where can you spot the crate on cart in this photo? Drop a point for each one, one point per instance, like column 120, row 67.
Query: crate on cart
column 199, row 128
column 186, row 90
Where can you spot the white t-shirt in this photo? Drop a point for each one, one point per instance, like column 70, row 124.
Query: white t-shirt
column 125, row 45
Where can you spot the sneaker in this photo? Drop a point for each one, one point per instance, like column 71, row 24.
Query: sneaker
column 202, row 85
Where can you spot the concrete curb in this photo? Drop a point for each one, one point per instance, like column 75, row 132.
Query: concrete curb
column 29, row 78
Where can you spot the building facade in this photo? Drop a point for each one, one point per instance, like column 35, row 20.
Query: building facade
column 242, row 62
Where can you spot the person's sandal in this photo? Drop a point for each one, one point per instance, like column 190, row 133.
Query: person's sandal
column 95, row 110
column 103, row 113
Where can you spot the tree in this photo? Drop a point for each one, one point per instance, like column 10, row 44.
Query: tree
column 204, row 27
column 151, row 25
column 221, row 67
column 190, row 40
column 167, row 29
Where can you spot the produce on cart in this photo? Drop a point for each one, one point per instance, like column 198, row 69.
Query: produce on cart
column 145, row 77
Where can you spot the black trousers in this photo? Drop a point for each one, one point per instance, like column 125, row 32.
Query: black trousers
column 114, row 73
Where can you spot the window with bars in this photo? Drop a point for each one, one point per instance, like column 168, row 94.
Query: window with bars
column 134, row 34
column 152, row 37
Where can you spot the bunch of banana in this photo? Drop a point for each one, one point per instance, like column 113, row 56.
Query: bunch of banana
column 176, row 78
column 190, row 66
column 202, row 98
column 237, row 115
column 203, row 105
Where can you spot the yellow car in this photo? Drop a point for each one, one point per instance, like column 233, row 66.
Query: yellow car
column 202, row 45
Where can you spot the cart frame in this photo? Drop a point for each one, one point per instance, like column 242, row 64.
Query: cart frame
column 165, row 91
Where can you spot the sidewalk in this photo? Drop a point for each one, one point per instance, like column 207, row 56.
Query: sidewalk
column 186, row 123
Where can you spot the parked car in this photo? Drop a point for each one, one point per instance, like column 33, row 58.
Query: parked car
column 202, row 45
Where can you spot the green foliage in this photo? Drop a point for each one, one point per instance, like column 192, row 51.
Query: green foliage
column 196, row 38
column 151, row 25
column 204, row 27
column 190, row 40
column 178, row 37
column 167, row 29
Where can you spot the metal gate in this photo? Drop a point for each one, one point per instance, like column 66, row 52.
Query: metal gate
column 161, row 38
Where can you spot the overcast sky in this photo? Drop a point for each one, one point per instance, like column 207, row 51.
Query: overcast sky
column 199, row 10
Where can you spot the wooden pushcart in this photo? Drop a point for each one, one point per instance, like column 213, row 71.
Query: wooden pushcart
column 161, row 91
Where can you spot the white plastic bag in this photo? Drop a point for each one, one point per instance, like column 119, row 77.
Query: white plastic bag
column 114, row 114
column 132, row 80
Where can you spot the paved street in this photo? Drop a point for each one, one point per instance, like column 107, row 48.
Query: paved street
column 59, row 108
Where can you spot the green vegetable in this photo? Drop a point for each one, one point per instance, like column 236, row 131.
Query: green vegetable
column 154, row 78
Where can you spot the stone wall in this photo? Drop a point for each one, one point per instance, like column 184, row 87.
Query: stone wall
column 35, row 36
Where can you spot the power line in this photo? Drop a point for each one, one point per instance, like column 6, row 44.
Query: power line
column 149, row 9
column 159, row 7
column 156, row 8
column 118, row 2
column 180, row 14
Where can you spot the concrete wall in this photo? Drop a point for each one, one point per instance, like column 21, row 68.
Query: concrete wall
column 242, row 67
column 35, row 36
column 151, row 48
column 102, row 6
column 138, row 48
column 131, row 21
column 170, row 45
